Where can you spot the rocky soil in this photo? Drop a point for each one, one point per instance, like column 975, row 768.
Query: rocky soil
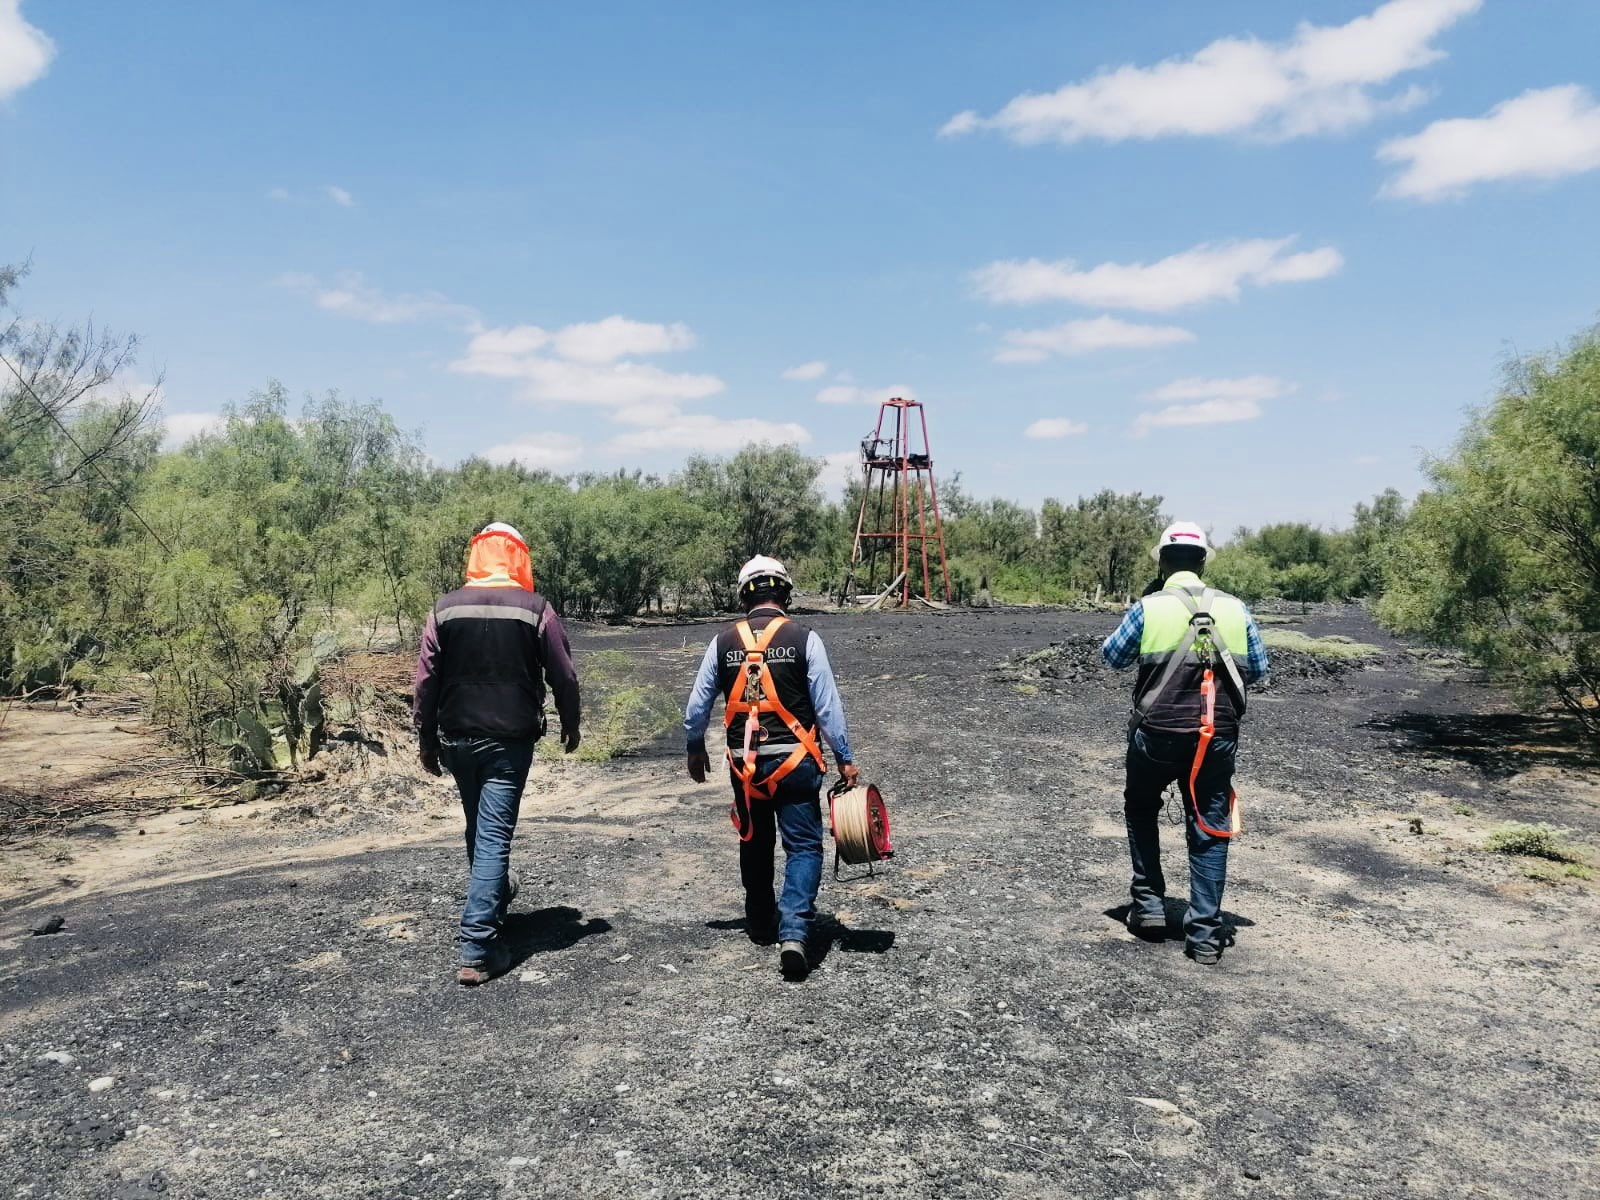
column 259, row 1001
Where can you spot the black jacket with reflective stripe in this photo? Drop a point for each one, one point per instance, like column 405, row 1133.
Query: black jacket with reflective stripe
column 496, row 646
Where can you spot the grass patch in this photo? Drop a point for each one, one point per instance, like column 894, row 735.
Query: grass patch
column 1532, row 841
column 1333, row 646
column 621, row 714
column 1579, row 871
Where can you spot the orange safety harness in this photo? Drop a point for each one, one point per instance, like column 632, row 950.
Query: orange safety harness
column 758, row 697
column 1206, row 642
column 1208, row 729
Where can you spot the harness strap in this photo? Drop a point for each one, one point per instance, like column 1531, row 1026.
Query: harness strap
column 1208, row 701
column 755, row 694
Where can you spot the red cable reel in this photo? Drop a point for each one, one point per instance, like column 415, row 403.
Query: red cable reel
column 859, row 821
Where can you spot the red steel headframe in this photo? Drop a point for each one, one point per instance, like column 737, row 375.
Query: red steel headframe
column 900, row 463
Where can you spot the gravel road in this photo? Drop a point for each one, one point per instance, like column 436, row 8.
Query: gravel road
column 260, row 1002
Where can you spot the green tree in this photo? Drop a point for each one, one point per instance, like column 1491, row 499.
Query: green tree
column 763, row 500
column 1374, row 531
column 1307, row 582
column 1242, row 573
column 1502, row 555
column 1102, row 543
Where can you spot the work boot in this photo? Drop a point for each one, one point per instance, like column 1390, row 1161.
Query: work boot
column 1207, row 954
column 473, row 974
column 792, row 960
column 1152, row 926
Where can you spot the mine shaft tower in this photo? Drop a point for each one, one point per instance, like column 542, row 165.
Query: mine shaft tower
column 894, row 549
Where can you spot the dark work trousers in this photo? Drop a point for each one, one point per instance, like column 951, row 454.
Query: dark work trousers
column 795, row 813
column 1154, row 761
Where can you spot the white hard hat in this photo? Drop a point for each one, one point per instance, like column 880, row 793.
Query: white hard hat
column 502, row 527
column 761, row 566
column 1181, row 533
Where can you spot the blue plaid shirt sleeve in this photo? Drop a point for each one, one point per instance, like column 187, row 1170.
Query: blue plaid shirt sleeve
column 1121, row 649
column 1256, row 664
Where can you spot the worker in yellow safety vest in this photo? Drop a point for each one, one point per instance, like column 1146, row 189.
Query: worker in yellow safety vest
column 1186, row 640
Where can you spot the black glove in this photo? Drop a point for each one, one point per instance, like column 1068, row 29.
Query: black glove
column 429, row 756
column 569, row 741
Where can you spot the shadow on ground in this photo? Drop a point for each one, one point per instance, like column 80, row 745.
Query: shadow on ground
column 1498, row 744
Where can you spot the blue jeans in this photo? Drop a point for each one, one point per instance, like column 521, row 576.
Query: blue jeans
column 1154, row 761
column 795, row 813
column 490, row 776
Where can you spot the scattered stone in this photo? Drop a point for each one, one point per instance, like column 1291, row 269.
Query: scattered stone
column 1168, row 1114
column 59, row 1056
column 103, row 1084
column 45, row 928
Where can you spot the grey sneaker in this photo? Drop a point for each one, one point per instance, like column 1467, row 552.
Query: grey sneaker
column 1205, row 953
column 792, row 960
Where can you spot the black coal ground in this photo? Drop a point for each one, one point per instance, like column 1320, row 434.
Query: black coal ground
column 1401, row 1015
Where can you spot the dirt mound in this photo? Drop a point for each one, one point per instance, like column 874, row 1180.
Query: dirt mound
column 1070, row 663
column 1076, row 664
column 1290, row 667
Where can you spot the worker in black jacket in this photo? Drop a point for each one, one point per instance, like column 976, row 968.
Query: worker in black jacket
column 479, row 709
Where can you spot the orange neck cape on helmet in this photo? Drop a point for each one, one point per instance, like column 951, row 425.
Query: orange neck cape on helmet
column 499, row 559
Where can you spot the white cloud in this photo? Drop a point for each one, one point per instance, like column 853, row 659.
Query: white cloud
column 545, row 451
column 339, row 196
column 810, row 370
column 1248, row 387
column 1542, row 134
column 1209, row 271
column 1054, row 427
column 617, row 337
column 846, row 393
column 1322, row 80
column 1214, row 401
column 514, row 340
column 610, row 384
column 1085, row 337
column 1208, row 412
column 178, row 429
column 702, row 432
column 25, row 51
column 278, row 193
column 516, row 353
column 351, row 296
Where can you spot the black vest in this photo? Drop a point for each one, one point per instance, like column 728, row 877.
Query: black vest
column 786, row 658
column 491, row 663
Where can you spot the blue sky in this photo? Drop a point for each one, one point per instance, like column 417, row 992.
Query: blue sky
column 1255, row 257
